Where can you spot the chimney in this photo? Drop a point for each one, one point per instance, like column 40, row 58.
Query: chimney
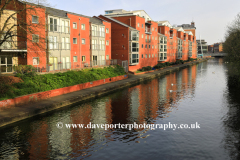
column 192, row 24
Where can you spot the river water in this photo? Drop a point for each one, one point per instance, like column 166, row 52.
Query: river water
column 198, row 95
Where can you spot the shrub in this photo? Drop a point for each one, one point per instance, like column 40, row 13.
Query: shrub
column 38, row 83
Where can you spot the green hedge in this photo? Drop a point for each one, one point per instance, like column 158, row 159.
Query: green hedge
column 38, row 83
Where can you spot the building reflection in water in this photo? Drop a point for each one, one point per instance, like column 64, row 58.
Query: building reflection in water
column 144, row 103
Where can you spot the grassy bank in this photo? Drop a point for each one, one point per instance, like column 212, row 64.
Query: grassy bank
column 31, row 82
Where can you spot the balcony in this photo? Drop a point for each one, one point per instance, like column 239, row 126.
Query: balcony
column 97, row 47
column 171, row 35
column 148, row 31
column 14, row 45
column 58, row 46
column 148, row 40
column 58, row 29
column 97, row 33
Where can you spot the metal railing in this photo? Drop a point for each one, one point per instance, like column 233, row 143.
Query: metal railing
column 14, row 45
column 98, row 46
column 148, row 30
column 97, row 33
column 58, row 45
column 57, row 28
column 148, row 40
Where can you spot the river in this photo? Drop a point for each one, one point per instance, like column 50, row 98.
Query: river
column 198, row 95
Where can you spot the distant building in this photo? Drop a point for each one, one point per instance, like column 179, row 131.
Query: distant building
column 218, row 47
column 202, row 47
column 210, row 49
column 189, row 27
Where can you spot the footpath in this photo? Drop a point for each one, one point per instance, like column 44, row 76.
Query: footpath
column 9, row 115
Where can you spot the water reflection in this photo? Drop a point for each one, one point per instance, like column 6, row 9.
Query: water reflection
column 149, row 102
column 231, row 121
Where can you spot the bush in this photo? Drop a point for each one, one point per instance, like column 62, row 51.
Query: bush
column 24, row 69
column 39, row 83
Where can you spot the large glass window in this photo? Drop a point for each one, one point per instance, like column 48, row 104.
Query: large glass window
column 134, row 36
column 134, row 58
column 135, row 47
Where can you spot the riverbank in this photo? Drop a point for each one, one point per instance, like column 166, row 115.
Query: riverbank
column 10, row 115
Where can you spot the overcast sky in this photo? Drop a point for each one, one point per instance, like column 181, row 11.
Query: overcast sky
column 210, row 16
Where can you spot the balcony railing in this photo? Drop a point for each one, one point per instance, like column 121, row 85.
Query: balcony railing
column 58, row 45
column 98, row 47
column 147, row 40
column 57, row 28
column 148, row 31
column 97, row 33
column 14, row 45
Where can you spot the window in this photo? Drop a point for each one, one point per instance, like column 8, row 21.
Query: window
column 102, row 45
column 67, row 43
column 102, row 32
column 83, row 26
column 149, row 55
column 74, row 25
column 94, row 44
column 83, row 58
column 74, row 58
column 35, row 60
column 149, row 46
column 107, row 57
column 142, row 55
column 107, row 43
column 135, row 47
column 53, row 24
column 152, row 55
column 55, row 42
column 152, row 28
column 50, row 42
column 142, row 25
column 74, row 40
column 34, row 19
column 156, row 29
column 145, row 55
column 134, row 36
column 107, row 30
column 146, row 46
column 142, row 35
column 35, row 38
column 138, row 25
column 134, row 59
column 152, row 47
column 83, row 40
column 63, row 42
column 142, row 45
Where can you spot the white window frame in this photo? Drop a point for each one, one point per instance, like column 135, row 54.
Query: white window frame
column 83, row 26
column 37, row 19
column 107, row 42
column 37, row 60
column 74, row 25
column 37, row 38
column 83, row 41
column 131, row 58
column 75, row 59
column 84, row 59
column 107, row 30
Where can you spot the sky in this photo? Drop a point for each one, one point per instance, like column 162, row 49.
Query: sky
column 211, row 17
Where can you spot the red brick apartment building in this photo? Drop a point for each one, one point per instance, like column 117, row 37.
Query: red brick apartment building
column 157, row 42
column 69, row 38
column 26, row 40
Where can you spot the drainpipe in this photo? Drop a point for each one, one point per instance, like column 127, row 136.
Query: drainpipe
column 80, row 42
